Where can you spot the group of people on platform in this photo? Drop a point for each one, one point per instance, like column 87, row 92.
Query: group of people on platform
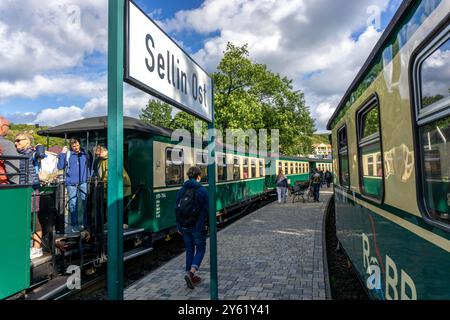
column 78, row 167
column 317, row 179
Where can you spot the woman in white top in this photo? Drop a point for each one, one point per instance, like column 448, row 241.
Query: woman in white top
column 282, row 185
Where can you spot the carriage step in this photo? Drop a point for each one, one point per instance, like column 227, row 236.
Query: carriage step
column 136, row 253
column 130, row 232
column 49, row 290
column 36, row 262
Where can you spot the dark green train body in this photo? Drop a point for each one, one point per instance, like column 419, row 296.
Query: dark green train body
column 391, row 152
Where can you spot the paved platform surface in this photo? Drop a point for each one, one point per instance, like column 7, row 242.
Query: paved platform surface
column 275, row 253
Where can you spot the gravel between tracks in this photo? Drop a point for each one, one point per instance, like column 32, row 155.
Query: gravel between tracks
column 343, row 281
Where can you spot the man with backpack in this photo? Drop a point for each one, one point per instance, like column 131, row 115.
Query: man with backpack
column 191, row 214
column 315, row 182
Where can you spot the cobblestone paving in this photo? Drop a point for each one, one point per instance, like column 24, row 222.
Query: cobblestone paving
column 275, row 253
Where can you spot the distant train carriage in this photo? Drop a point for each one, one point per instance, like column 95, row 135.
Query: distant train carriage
column 391, row 147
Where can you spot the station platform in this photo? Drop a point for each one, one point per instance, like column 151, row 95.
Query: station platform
column 274, row 253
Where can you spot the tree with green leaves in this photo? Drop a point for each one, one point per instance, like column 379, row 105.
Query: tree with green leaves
column 248, row 96
column 157, row 113
column 33, row 129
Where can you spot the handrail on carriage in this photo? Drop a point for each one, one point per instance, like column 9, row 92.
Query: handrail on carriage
column 18, row 173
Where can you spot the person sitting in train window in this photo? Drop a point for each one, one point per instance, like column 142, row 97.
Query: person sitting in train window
column 77, row 164
column 282, row 185
column 101, row 171
column 11, row 166
column 24, row 146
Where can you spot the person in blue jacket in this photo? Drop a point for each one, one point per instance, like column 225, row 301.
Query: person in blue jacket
column 193, row 198
column 78, row 169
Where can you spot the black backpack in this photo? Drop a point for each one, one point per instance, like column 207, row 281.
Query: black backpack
column 188, row 209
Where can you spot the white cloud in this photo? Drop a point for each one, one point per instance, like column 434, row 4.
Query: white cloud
column 52, row 117
column 43, row 86
column 40, row 36
column 311, row 42
column 134, row 101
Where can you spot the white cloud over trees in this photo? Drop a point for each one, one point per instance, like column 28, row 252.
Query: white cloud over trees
column 320, row 44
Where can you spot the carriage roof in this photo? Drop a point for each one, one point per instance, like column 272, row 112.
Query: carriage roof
column 101, row 123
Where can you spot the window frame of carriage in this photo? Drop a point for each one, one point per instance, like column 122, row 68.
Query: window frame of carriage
column 427, row 115
column 166, row 165
column 341, row 151
column 222, row 163
column 201, row 165
column 261, row 168
column 370, row 104
column 236, row 165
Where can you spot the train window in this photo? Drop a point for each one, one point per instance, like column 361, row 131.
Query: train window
column 253, row 162
column 174, row 167
column 201, row 160
column 292, row 168
column 369, row 150
column 344, row 166
column 245, row 169
column 280, row 166
column 369, row 123
column 435, row 141
column 286, row 168
column 236, row 169
column 435, row 78
column 261, row 168
column 432, row 98
column 221, row 169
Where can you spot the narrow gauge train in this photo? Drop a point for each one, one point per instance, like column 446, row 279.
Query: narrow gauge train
column 391, row 147
column 155, row 175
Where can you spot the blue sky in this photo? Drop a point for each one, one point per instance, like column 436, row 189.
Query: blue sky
column 53, row 53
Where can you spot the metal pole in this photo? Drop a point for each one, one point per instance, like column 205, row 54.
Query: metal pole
column 115, row 146
column 212, row 205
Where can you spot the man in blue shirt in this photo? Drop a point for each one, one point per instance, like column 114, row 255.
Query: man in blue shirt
column 78, row 169
column 193, row 198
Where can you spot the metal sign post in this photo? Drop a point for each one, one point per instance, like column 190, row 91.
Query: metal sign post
column 212, row 210
column 157, row 65
column 115, row 146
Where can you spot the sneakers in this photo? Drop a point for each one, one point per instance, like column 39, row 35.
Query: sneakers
column 35, row 253
column 189, row 278
column 196, row 279
column 76, row 229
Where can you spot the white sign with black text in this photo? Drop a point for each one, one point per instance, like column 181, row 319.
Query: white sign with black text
column 157, row 65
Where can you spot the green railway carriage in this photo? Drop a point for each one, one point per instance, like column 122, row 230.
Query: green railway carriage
column 295, row 169
column 157, row 167
column 391, row 158
column 15, row 239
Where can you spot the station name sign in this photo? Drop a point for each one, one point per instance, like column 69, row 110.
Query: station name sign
column 155, row 64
